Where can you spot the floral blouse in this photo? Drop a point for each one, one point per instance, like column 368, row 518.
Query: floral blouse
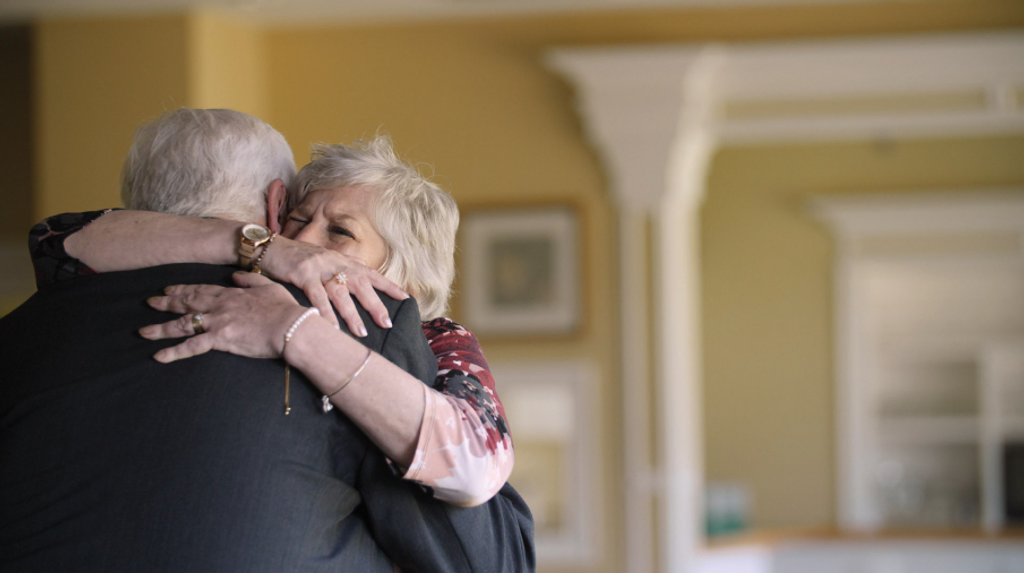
column 464, row 453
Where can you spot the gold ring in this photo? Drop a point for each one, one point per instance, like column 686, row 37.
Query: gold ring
column 197, row 323
column 341, row 279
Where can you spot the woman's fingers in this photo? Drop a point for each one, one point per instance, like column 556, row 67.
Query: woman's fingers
column 321, row 299
column 312, row 268
column 370, row 300
column 184, row 299
column 302, row 265
column 192, row 347
column 177, row 328
column 247, row 321
column 339, row 294
column 314, row 291
column 318, row 296
column 361, row 283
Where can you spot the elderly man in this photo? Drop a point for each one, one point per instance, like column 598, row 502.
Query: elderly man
column 114, row 462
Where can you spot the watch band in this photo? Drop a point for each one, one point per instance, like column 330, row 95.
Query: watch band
column 245, row 255
column 253, row 236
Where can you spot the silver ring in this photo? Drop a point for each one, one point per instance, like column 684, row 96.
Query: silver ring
column 197, row 323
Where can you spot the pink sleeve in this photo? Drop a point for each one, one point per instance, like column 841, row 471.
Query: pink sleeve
column 464, row 453
column 453, row 456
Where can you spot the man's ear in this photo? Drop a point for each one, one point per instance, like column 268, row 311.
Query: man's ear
column 277, row 205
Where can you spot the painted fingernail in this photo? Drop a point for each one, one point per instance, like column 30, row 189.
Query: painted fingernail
column 387, row 322
column 362, row 331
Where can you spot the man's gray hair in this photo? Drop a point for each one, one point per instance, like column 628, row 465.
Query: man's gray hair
column 205, row 163
column 416, row 218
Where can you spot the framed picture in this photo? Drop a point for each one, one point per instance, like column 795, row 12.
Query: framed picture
column 520, row 271
column 551, row 408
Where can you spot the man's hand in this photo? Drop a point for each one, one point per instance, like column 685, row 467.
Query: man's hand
column 329, row 277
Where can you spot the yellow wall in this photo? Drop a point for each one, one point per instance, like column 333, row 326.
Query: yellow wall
column 96, row 81
column 227, row 64
column 767, row 288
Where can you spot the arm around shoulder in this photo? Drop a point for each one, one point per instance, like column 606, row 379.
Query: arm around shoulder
column 465, row 452
column 127, row 240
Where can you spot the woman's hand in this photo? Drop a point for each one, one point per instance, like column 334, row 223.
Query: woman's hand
column 247, row 321
column 313, row 269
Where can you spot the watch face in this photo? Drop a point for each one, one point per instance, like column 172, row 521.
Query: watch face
column 255, row 232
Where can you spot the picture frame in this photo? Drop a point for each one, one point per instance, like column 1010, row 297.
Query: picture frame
column 552, row 410
column 519, row 271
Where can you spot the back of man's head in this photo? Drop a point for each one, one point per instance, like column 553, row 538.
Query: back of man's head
column 205, row 163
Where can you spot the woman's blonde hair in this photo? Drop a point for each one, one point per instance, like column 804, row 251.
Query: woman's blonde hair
column 417, row 219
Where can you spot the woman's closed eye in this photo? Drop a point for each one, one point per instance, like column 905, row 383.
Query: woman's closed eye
column 342, row 231
column 298, row 221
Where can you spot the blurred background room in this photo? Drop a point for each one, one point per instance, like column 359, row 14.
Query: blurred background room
column 749, row 273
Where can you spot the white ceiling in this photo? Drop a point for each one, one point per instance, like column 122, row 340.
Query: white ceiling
column 295, row 11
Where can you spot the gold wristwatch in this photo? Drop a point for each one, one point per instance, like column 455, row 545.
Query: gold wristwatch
column 253, row 236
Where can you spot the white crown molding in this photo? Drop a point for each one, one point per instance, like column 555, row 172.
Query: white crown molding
column 890, row 214
column 870, row 66
column 989, row 66
column 645, row 107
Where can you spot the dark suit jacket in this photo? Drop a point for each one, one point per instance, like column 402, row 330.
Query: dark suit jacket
column 110, row 461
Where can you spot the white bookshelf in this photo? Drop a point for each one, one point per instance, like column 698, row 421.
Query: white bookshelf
column 930, row 355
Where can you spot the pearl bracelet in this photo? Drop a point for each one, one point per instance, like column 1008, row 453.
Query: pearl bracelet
column 287, row 367
column 295, row 325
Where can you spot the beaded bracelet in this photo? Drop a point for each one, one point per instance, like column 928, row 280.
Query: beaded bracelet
column 287, row 367
column 259, row 258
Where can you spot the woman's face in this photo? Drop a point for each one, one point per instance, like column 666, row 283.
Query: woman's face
column 339, row 219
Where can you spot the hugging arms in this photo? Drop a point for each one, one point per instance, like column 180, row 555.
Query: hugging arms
column 452, row 438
